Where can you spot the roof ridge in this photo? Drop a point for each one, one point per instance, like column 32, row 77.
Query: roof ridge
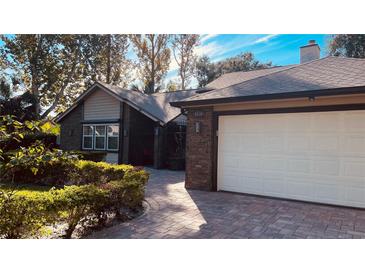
column 345, row 57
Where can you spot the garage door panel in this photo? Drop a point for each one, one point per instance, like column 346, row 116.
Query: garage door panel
column 231, row 142
column 298, row 143
column 274, row 163
column 298, row 123
column 300, row 189
column 317, row 157
column 274, row 143
column 251, row 143
column 355, row 195
column 230, row 161
column 353, row 145
column 354, row 122
column 326, row 122
column 325, row 144
column 250, row 162
column 354, row 168
column 274, row 187
column 326, row 167
column 301, row 165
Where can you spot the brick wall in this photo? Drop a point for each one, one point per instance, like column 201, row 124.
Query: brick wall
column 71, row 130
column 199, row 149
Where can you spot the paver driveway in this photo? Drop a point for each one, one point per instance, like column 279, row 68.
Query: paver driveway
column 175, row 212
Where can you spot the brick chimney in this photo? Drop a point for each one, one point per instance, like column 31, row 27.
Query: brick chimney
column 309, row 52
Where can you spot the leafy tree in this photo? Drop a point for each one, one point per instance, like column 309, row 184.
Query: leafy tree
column 349, row 45
column 172, row 86
column 21, row 106
column 153, row 59
column 183, row 49
column 48, row 67
column 105, row 58
column 207, row 71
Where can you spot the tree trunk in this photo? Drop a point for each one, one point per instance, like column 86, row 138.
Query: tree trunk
column 153, row 74
column 34, row 74
column 108, row 68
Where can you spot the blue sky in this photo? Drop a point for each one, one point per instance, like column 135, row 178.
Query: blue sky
column 281, row 49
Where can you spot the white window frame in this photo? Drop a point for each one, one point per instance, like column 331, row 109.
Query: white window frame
column 107, row 138
column 83, row 138
column 93, row 137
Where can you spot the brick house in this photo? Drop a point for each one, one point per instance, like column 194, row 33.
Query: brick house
column 126, row 126
column 295, row 132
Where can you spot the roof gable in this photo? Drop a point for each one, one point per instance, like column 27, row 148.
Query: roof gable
column 157, row 107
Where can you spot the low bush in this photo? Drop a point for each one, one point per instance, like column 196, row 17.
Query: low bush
column 98, row 172
column 37, row 164
column 95, row 156
column 25, row 213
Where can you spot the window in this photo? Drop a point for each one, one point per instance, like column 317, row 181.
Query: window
column 113, row 137
column 87, row 139
column 100, row 137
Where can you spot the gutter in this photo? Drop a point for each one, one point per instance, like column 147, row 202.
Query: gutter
column 272, row 96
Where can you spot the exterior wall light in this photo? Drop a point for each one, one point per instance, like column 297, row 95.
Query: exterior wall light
column 311, row 98
column 125, row 132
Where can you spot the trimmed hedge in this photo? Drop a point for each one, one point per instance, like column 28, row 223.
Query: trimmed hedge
column 98, row 172
column 70, row 172
column 25, row 214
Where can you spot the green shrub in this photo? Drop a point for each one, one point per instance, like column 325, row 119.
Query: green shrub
column 25, row 213
column 98, row 172
column 77, row 203
column 38, row 164
column 29, row 138
column 95, row 156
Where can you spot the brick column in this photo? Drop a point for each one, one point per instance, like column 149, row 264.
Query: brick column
column 199, row 149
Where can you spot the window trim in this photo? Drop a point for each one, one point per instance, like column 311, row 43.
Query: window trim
column 106, row 141
column 83, row 138
column 117, row 137
column 100, row 136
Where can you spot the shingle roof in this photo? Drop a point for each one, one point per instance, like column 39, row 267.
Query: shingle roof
column 158, row 104
column 322, row 74
column 229, row 79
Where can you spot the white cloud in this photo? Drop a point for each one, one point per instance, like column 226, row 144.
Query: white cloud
column 209, row 49
column 264, row 39
column 206, row 37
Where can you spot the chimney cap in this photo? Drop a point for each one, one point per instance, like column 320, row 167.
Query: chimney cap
column 311, row 42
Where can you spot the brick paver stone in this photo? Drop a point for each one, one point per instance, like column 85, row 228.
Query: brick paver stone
column 174, row 212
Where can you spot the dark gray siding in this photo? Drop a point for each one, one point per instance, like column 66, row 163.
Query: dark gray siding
column 71, row 129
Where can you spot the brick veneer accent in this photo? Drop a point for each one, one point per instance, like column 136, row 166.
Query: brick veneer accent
column 71, row 129
column 199, row 149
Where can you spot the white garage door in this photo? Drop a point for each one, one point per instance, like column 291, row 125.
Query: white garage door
column 317, row 156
